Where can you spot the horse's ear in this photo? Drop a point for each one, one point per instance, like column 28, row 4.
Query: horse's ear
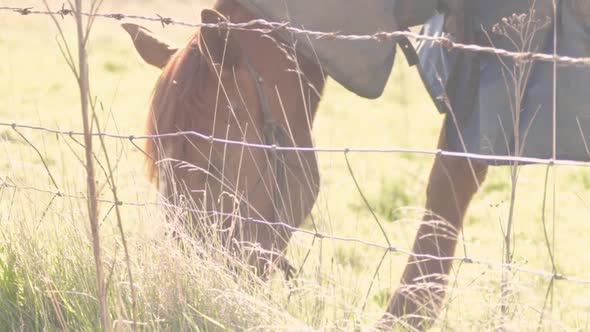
column 153, row 50
column 218, row 44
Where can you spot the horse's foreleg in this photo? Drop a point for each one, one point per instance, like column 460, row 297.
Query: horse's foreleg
column 452, row 184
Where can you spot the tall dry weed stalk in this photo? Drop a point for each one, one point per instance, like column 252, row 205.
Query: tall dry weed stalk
column 81, row 74
column 520, row 31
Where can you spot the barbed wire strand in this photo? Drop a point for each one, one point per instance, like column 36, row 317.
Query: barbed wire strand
column 270, row 27
column 314, row 234
column 212, row 139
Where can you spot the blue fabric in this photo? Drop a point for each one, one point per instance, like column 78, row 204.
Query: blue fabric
column 477, row 93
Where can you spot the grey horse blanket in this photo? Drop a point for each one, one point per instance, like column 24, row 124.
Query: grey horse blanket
column 498, row 107
column 361, row 66
column 493, row 105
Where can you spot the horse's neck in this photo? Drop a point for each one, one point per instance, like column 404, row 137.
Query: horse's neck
column 262, row 52
column 270, row 60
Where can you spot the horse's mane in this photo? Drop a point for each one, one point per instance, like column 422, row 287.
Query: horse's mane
column 176, row 96
column 175, row 101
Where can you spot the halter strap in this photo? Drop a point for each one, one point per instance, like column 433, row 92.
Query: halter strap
column 273, row 135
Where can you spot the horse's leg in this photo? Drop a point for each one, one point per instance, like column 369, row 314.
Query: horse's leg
column 452, row 184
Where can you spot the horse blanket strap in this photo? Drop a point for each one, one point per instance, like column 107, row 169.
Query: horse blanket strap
column 479, row 99
column 409, row 51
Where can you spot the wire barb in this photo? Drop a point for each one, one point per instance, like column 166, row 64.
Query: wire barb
column 165, row 20
column 24, row 11
column 64, row 11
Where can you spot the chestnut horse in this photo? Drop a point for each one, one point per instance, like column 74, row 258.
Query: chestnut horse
column 238, row 86
column 248, row 86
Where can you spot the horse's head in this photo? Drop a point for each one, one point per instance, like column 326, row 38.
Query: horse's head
column 229, row 85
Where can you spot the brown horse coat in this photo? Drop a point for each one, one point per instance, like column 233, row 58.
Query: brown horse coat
column 239, row 86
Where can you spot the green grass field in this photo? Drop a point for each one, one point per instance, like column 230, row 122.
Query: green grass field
column 47, row 276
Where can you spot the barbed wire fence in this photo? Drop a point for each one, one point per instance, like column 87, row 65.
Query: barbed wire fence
column 55, row 192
